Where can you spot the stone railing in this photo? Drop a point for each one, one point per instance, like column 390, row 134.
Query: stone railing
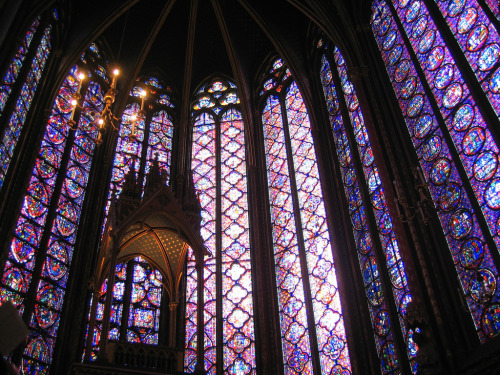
column 130, row 358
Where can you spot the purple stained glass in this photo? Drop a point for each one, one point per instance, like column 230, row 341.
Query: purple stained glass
column 204, row 177
column 237, row 304
column 450, row 90
column 388, row 239
column 479, row 40
column 40, row 195
column 289, row 145
column 144, row 315
column 465, row 237
column 23, row 104
column 323, row 281
column 234, row 255
column 495, row 7
column 16, row 65
column 294, row 326
column 377, row 305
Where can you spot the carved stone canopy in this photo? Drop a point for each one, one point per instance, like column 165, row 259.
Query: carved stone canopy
column 158, row 230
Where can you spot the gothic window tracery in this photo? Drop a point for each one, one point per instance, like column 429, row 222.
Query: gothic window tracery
column 36, row 271
column 455, row 144
column 19, row 85
column 351, row 137
column 311, row 317
column 220, row 177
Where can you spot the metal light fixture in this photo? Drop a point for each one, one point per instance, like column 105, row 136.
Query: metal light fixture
column 141, row 115
column 103, row 118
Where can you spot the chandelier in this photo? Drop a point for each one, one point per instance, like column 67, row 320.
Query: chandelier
column 105, row 118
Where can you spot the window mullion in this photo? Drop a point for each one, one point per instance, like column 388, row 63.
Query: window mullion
column 451, row 145
column 300, row 242
column 10, row 105
column 127, row 293
column 465, row 69
column 371, row 223
column 218, row 245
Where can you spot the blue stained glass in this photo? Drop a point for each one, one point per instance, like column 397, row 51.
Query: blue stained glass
column 451, row 91
column 316, row 248
column 16, row 122
column 472, row 139
column 377, row 198
column 236, row 301
column 16, row 64
column 479, row 40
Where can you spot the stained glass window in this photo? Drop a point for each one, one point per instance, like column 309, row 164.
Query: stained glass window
column 145, row 134
column 300, row 234
column 45, row 234
column 495, row 7
column 219, row 155
column 142, row 139
column 456, row 184
column 350, row 138
column 135, row 305
column 25, row 93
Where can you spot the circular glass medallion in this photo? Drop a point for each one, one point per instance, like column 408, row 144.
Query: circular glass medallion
column 455, row 7
column 415, row 105
column 440, row 171
column 423, row 126
column 449, row 197
column 412, row 12
column 408, row 87
column 463, row 118
column 485, row 166
column 395, row 54
column 467, row 20
column 383, row 26
column 483, row 285
column 453, row 95
column 431, row 148
column 492, row 194
column 435, row 58
column 471, row 253
column 420, row 26
column 473, row 141
column 389, row 40
column 444, row 76
column 402, row 70
column 460, row 224
column 426, row 41
column 477, row 38
column 489, row 57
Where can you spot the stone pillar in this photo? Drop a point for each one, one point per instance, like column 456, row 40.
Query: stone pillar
column 103, row 343
column 90, row 335
column 200, row 350
column 172, row 333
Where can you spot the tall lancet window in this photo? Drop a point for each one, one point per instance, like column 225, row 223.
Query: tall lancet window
column 312, row 324
column 220, row 177
column 36, row 271
column 457, row 151
column 352, row 143
column 146, row 132
column 19, row 85
column 145, row 135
